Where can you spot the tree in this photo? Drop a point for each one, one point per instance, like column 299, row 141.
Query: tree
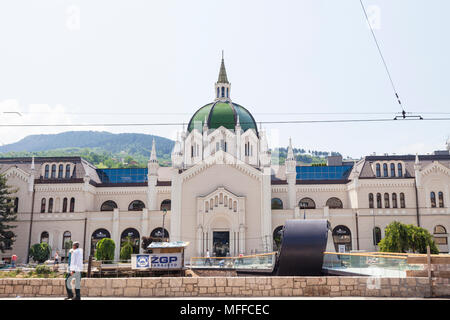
column 7, row 215
column 395, row 239
column 401, row 238
column 419, row 238
column 67, row 246
column 105, row 249
column 40, row 252
column 126, row 250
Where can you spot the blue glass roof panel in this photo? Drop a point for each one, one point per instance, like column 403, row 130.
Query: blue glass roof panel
column 323, row 172
column 123, row 175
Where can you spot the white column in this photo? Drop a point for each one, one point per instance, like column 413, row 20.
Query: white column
column 175, row 219
column 241, row 239
column 115, row 233
column 266, row 218
column 199, row 240
column 144, row 225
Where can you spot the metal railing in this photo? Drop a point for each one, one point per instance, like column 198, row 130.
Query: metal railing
column 263, row 261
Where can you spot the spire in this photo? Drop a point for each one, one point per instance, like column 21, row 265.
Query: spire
column 290, row 155
column 223, row 73
column 32, row 163
column 417, row 158
column 153, row 157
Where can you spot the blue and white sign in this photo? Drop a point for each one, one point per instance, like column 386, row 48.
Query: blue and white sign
column 156, row 261
column 166, row 261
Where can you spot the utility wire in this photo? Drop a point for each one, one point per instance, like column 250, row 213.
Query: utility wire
column 384, row 61
column 224, row 123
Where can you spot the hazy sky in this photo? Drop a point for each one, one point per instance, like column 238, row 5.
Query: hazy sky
column 95, row 61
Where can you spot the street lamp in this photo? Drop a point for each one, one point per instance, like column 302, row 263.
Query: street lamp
column 304, row 205
column 164, row 215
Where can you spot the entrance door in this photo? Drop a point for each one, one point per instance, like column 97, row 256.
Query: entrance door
column 221, row 243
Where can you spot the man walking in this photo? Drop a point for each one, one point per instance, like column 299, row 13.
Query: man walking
column 68, row 277
column 76, row 267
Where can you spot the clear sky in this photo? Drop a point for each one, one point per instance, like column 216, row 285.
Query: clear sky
column 87, row 62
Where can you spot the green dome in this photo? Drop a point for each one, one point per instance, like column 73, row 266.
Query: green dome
column 222, row 113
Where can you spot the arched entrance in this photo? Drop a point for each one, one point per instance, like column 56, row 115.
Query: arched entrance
column 131, row 235
column 277, row 238
column 157, row 234
column 98, row 235
column 342, row 239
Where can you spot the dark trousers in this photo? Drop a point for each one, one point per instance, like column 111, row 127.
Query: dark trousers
column 68, row 288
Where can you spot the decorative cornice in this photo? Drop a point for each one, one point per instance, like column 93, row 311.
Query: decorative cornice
column 435, row 167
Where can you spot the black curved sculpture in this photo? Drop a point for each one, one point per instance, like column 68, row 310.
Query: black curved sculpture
column 302, row 248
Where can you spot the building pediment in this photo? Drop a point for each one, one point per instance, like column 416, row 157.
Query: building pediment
column 221, row 158
column 14, row 171
column 435, row 168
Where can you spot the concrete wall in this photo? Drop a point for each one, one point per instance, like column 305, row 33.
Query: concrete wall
column 231, row 286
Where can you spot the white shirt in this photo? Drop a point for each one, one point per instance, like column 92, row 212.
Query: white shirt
column 76, row 260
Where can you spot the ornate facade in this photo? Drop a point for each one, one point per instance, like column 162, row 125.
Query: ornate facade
column 223, row 194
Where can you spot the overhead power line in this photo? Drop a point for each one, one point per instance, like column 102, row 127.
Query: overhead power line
column 242, row 123
column 404, row 116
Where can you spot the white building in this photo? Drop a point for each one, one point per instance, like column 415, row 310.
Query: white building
column 223, row 194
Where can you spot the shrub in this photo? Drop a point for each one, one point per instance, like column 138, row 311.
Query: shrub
column 40, row 252
column 43, row 270
column 126, row 251
column 105, row 249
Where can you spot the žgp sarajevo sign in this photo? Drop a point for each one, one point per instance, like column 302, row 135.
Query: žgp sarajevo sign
column 156, row 261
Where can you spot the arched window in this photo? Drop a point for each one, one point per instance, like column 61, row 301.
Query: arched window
column 166, row 204
column 130, row 235
column 235, row 206
column 108, row 206
column 218, row 92
column 64, row 208
column 307, row 203
column 394, row 200
column 334, row 203
column 402, row 200
column 72, row 205
column 223, row 92
column 67, row 240
column 43, row 203
column 386, row 200
column 227, row 92
column 440, row 236
column 230, row 203
column 379, row 200
column 206, row 206
column 50, row 205
column 44, row 237
column 385, row 170
column 439, row 230
column 376, row 236
column 342, row 239
column 277, row 238
column 60, row 171
column 68, row 171
column 158, row 233
column 98, row 235
column 53, row 171
column 16, row 205
column 277, row 204
column 433, row 199
column 221, row 198
column 46, row 171
column 440, row 195
column 370, row 200
column 400, row 170
column 392, row 170
column 136, row 205
column 378, row 170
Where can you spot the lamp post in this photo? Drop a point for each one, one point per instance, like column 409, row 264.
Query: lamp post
column 304, row 205
column 164, row 215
